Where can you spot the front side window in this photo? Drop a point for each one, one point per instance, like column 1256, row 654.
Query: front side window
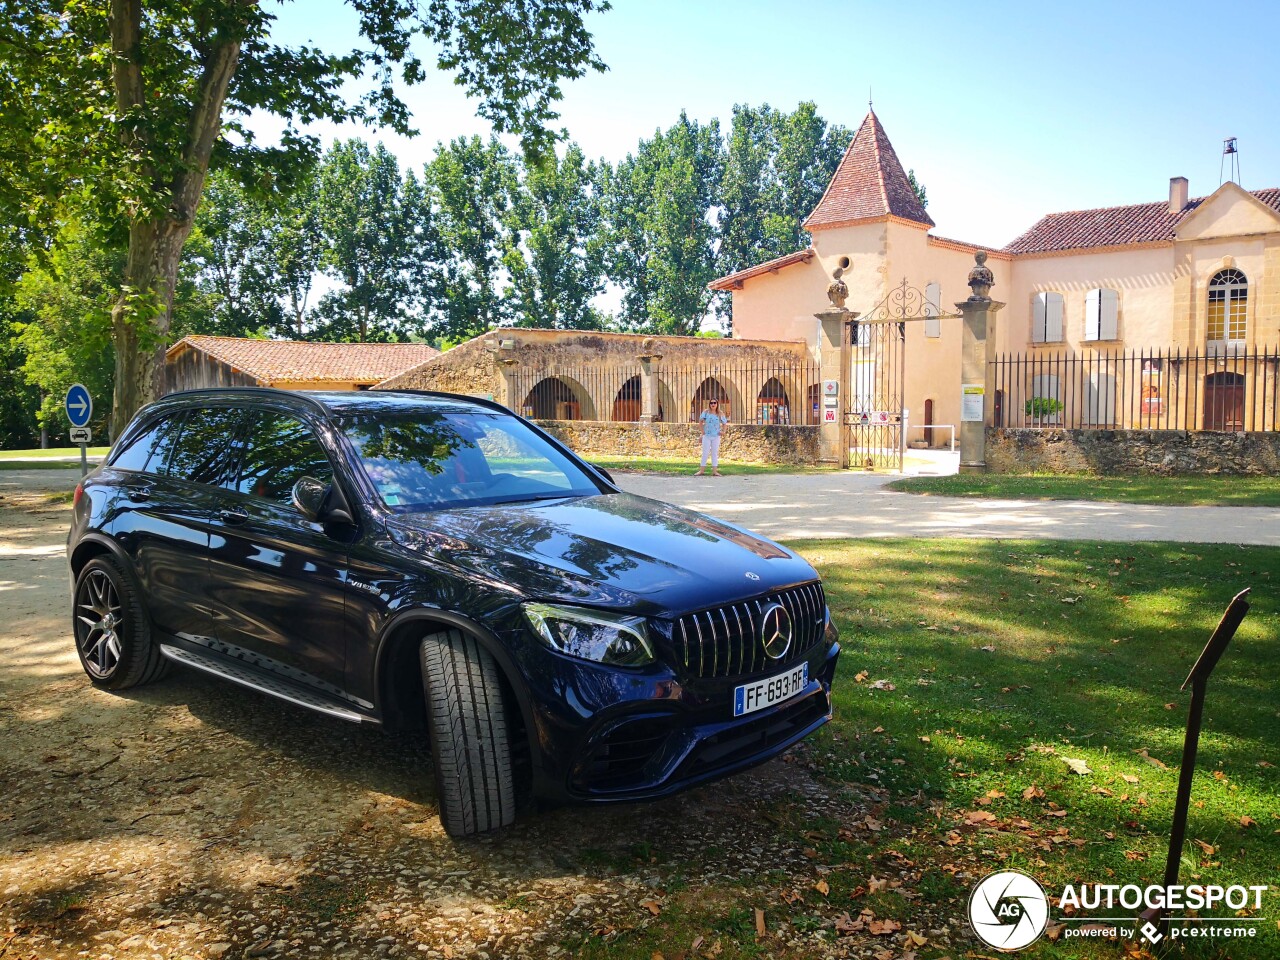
column 279, row 449
column 206, row 447
column 1228, row 303
column 431, row 460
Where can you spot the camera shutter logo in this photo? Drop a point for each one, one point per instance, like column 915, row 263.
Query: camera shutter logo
column 1008, row 910
column 775, row 631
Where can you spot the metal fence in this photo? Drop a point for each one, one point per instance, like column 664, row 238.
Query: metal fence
column 762, row 391
column 1229, row 389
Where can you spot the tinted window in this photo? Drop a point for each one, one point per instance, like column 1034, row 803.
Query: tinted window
column 279, row 450
column 429, row 459
column 138, row 452
column 206, row 447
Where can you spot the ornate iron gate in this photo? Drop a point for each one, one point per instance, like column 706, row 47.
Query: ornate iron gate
column 876, row 414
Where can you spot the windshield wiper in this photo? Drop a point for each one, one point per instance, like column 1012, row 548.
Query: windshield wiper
column 541, row 496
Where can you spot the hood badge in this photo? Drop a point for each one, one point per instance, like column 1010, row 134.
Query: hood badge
column 775, row 631
column 752, row 576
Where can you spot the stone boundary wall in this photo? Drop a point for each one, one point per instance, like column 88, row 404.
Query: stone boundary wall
column 1158, row 452
column 761, row 443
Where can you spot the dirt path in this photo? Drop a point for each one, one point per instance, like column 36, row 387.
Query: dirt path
column 191, row 819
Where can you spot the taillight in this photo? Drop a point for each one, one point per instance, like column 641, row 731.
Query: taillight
column 75, row 500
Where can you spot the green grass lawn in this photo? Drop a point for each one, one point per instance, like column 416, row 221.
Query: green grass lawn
column 678, row 465
column 46, row 459
column 1173, row 491
column 971, row 672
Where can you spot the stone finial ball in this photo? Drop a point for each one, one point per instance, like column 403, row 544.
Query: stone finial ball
column 981, row 257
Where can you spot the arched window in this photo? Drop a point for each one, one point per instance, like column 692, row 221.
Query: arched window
column 558, row 398
column 772, row 405
column 1228, row 301
column 710, row 389
column 626, row 405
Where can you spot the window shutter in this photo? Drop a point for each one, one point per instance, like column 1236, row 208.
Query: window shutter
column 932, row 307
column 1109, row 315
column 1092, row 300
column 1038, row 314
column 1053, row 318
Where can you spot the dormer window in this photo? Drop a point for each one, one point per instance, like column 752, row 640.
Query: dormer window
column 1228, row 304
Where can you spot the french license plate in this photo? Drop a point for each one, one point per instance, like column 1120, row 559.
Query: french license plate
column 751, row 697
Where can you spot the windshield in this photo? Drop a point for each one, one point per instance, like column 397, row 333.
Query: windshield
column 433, row 460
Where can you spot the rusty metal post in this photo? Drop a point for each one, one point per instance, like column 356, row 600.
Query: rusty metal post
column 1198, row 679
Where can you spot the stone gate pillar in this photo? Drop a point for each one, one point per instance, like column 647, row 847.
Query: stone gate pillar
column 649, row 357
column 976, row 393
column 835, row 348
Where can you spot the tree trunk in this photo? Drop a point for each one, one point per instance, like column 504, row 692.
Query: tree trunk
column 140, row 322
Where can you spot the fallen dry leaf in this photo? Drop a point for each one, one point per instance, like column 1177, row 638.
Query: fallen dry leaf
column 1128, row 778
column 878, row 730
column 875, row 886
column 883, row 685
column 1248, row 821
column 1208, row 848
column 844, row 925
column 759, row 922
column 1032, row 793
column 1077, row 766
column 915, row 939
column 882, row 928
column 988, row 648
column 652, row 906
column 822, row 887
column 979, row 816
column 1151, row 760
column 860, row 676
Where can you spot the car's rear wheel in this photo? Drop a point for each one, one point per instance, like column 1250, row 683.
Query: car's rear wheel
column 113, row 635
column 470, row 743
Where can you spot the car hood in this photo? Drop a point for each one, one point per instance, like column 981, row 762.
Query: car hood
column 614, row 550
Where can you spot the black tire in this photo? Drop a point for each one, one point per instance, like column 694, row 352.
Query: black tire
column 111, row 628
column 467, row 723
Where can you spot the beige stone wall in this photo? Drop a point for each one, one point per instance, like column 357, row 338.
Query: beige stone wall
column 742, row 442
column 508, row 364
column 1149, row 452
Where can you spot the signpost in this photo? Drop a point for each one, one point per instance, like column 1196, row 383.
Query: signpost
column 79, row 407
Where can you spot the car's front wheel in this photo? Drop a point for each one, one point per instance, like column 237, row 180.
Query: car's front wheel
column 113, row 635
column 469, row 734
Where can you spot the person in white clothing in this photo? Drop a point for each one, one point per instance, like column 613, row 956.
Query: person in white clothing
column 713, row 422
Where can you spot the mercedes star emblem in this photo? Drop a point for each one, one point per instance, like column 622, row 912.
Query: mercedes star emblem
column 752, row 576
column 775, row 631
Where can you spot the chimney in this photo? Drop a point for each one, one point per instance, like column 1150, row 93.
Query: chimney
column 1177, row 194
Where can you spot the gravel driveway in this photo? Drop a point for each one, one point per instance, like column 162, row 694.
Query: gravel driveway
column 192, row 819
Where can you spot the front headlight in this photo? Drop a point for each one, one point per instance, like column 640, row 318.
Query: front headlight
column 597, row 635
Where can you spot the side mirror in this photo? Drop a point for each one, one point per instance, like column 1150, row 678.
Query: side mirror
column 321, row 502
column 603, row 472
column 308, row 497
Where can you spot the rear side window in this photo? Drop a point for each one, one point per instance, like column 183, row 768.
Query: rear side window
column 138, row 453
column 279, row 450
column 207, row 447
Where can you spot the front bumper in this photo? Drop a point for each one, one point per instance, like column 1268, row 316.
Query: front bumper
column 601, row 734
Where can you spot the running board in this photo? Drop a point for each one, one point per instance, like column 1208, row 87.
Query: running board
column 236, row 673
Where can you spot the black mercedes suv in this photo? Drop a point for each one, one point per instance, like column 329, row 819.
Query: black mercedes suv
column 434, row 562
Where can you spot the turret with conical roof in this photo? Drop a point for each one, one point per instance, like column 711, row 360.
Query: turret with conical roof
column 869, row 183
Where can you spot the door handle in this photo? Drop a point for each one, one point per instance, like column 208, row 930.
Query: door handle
column 232, row 516
column 139, row 492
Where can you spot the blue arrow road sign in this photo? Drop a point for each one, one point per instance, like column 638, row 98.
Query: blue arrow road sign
column 79, row 405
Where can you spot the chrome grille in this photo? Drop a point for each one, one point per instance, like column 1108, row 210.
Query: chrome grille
column 725, row 641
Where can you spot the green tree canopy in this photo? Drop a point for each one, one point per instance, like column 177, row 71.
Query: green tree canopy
column 140, row 100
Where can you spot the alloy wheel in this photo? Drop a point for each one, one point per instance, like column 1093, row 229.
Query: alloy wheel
column 99, row 622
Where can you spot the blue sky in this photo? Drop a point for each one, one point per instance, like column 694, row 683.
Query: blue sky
column 1006, row 111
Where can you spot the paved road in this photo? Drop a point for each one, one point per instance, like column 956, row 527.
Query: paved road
column 787, row 506
column 857, row 505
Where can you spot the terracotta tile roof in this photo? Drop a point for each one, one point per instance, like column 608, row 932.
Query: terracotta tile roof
column 1113, row 226
column 869, row 182
column 734, row 280
column 279, row 361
